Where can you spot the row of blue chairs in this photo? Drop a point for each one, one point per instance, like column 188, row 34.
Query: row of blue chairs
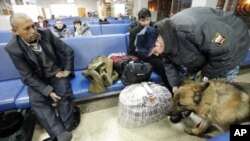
column 91, row 21
column 14, row 95
column 5, row 35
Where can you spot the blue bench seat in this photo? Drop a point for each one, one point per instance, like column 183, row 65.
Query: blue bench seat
column 9, row 90
column 221, row 137
column 80, row 87
column 5, row 36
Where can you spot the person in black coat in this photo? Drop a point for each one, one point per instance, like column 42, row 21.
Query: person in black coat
column 144, row 17
column 201, row 39
column 45, row 64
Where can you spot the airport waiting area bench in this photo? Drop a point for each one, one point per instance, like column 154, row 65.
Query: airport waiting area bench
column 14, row 95
column 5, row 35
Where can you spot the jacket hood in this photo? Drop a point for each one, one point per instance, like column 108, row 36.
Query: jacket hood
column 167, row 31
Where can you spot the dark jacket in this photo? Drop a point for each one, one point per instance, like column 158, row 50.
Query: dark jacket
column 132, row 36
column 28, row 65
column 203, row 39
column 61, row 33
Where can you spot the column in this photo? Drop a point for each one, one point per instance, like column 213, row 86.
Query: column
column 138, row 4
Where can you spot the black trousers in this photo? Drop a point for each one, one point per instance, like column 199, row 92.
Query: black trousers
column 54, row 122
column 158, row 67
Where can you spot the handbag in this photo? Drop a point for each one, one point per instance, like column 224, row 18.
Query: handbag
column 136, row 72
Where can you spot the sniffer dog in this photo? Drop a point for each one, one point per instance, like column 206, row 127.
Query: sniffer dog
column 216, row 102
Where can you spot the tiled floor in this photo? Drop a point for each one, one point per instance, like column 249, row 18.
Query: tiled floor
column 101, row 125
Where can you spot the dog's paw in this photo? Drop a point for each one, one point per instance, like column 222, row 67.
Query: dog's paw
column 192, row 131
column 189, row 131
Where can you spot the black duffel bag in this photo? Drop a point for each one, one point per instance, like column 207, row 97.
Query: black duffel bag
column 136, row 72
column 17, row 126
column 119, row 61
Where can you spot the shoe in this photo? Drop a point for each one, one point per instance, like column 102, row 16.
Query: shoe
column 77, row 118
column 176, row 118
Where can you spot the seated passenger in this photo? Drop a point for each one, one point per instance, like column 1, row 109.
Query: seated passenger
column 144, row 17
column 41, row 22
column 45, row 65
column 81, row 29
column 60, row 30
column 105, row 21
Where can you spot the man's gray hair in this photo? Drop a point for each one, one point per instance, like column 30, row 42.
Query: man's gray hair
column 16, row 16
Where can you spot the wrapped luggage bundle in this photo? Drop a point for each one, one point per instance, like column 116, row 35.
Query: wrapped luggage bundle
column 143, row 103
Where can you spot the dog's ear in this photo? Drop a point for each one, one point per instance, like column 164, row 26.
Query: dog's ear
column 203, row 86
column 198, row 94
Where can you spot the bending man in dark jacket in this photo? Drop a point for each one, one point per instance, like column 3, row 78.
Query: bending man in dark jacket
column 202, row 39
column 144, row 17
column 44, row 63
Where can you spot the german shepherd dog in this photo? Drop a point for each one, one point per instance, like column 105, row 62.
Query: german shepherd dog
column 216, row 102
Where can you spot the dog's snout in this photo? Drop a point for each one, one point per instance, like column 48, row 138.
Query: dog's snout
column 170, row 111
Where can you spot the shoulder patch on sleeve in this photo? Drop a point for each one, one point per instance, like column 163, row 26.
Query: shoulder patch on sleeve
column 218, row 39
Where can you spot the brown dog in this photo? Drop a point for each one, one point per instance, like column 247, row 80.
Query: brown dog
column 216, row 102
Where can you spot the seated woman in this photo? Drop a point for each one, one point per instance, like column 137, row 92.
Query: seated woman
column 81, row 29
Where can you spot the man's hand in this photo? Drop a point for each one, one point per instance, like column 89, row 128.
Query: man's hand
column 66, row 73
column 61, row 74
column 54, row 97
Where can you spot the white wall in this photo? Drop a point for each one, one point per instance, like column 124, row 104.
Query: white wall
column 31, row 10
column 196, row 3
column 138, row 4
column 118, row 8
column 89, row 5
column 5, row 24
column 64, row 10
column 202, row 3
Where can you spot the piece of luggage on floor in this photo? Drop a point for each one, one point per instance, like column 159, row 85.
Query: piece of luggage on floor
column 143, row 103
column 21, row 127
